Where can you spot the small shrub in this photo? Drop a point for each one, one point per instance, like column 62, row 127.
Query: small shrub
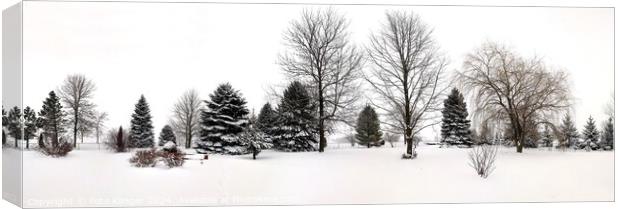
column 482, row 159
column 169, row 155
column 172, row 159
column 144, row 158
column 61, row 150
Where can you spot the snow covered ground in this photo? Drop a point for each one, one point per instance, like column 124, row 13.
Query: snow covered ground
column 343, row 175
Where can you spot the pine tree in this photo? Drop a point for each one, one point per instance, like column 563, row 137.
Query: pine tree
column 15, row 124
column 569, row 133
column 5, row 121
column 222, row 121
column 547, row 137
column 607, row 140
column 455, row 127
column 52, row 118
column 255, row 140
column 266, row 119
column 30, row 125
column 368, row 128
column 167, row 135
column 295, row 129
column 141, row 135
column 590, row 135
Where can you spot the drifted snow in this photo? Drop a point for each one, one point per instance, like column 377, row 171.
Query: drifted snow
column 338, row 176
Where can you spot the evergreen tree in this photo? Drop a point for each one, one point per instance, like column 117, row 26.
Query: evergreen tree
column 141, row 135
column 266, row 119
column 30, row 125
column 569, row 133
column 368, row 128
column 607, row 140
column 15, row 124
column 295, row 129
column 590, row 135
column 167, row 135
column 224, row 118
column 5, row 122
column 547, row 137
column 255, row 140
column 52, row 118
column 455, row 127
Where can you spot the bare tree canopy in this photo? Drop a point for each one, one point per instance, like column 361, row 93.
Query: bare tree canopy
column 186, row 116
column 321, row 56
column 76, row 93
column 99, row 121
column 508, row 87
column 406, row 75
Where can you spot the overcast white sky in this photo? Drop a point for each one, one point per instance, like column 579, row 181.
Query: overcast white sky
column 161, row 50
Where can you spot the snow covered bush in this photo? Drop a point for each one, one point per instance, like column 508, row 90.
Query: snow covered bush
column 168, row 154
column 482, row 159
column 171, row 156
column 60, row 150
column 222, row 121
column 144, row 158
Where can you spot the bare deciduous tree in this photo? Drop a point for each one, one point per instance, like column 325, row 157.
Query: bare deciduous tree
column 186, row 116
column 407, row 75
column 99, row 122
column 76, row 92
column 321, row 55
column 507, row 87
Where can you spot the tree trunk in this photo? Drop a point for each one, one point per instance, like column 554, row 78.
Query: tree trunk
column 188, row 137
column 75, row 124
column 409, row 141
column 322, row 139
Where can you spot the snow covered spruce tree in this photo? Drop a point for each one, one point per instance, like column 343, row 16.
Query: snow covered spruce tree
column 547, row 137
column 455, row 127
column 15, row 125
column 30, row 125
column 295, row 129
column 266, row 119
column 607, row 138
column 167, row 135
column 52, row 119
column 569, row 134
column 590, row 136
column 141, row 133
column 368, row 128
column 222, row 121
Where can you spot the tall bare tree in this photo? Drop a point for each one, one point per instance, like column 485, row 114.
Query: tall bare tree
column 508, row 87
column 321, row 56
column 186, row 116
column 406, row 75
column 99, row 124
column 76, row 93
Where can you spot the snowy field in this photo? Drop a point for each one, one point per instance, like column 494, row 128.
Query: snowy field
column 338, row 176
